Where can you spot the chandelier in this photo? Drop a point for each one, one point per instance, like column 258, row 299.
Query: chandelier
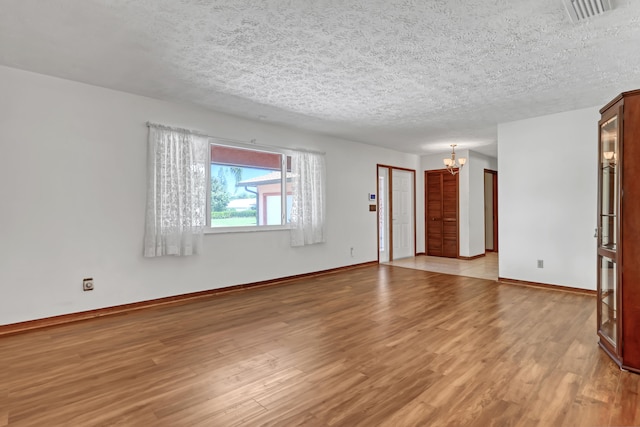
column 452, row 165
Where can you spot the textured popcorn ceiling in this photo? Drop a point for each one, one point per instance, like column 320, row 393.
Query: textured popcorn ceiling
column 411, row 75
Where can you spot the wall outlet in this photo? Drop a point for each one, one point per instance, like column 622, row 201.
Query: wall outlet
column 540, row 263
column 87, row 284
column 351, row 251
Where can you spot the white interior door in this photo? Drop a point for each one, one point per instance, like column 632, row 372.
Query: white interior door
column 383, row 214
column 402, row 213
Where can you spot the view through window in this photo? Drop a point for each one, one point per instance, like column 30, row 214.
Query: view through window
column 247, row 187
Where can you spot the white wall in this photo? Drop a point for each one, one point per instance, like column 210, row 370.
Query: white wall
column 72, row 185
column 464, row 199
column 470, row 197
column 547, row 189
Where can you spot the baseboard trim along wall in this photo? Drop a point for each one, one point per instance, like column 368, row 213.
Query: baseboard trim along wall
column 14, row 328
column 508, row 281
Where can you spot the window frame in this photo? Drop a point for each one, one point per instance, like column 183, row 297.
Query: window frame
column 284, row 154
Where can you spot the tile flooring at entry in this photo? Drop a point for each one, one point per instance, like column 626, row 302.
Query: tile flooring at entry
column 485, row 267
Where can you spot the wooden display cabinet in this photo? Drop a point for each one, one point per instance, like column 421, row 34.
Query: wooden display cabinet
column 618, row 232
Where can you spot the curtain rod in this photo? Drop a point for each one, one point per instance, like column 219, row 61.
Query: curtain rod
column 233, row 141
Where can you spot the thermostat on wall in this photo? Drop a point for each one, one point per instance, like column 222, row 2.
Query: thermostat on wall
column 372, row 197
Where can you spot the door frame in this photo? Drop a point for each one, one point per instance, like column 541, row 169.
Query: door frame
column 390, row 207
column 426, row 201
column 495, row 209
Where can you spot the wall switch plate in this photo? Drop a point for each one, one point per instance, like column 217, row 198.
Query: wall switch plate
column 540, row 263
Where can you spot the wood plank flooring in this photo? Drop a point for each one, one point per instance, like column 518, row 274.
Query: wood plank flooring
column 376, row 345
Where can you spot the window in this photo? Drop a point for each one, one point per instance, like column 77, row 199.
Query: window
column 246, row 187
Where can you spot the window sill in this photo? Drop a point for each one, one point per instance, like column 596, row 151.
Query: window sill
column 252, row 229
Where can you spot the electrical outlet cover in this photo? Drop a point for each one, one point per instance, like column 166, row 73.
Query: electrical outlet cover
column 87, row 284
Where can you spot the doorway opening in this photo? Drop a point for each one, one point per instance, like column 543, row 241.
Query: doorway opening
column 490, row 210
column 396, row 213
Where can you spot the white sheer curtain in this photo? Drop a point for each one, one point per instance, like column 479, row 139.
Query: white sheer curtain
column 308, row 206
column 176, row 192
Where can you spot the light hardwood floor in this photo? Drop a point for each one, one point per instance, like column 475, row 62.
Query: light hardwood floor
column 485, row 267
column 375, row 345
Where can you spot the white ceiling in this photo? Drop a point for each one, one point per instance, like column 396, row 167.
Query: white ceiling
column 413, row 75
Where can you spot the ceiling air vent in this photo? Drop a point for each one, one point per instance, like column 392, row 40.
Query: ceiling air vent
column 579, row 10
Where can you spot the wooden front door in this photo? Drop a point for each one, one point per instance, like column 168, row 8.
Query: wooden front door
column 441, row 213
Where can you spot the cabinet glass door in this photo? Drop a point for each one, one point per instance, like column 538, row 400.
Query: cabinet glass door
column 608, row 205
column 608, row 184
column 608, row 300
